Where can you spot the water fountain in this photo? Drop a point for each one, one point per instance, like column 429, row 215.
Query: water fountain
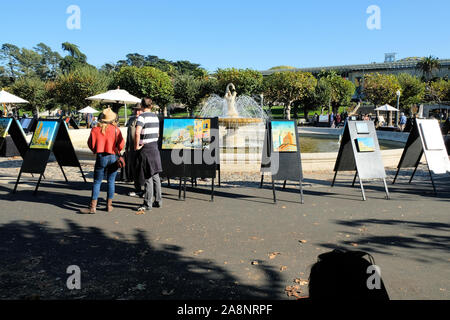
column 241, row 121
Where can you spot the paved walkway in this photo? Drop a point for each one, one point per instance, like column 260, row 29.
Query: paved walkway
column 239, row 246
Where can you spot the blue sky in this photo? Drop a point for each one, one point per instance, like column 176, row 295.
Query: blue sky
column 242, row 34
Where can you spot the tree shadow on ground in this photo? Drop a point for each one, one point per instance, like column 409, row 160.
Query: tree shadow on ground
column 34, row 259
column 66, row 196
column 427, row 241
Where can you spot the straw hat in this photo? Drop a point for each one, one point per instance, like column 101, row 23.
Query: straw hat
column 108, row 115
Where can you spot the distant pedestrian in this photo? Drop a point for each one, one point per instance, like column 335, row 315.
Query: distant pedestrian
column 149, row 159
column 402, row 122
column 106, row 142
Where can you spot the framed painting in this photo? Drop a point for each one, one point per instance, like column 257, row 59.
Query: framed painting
column 45, row 135
column 185, row 133
column 365, row 144
column 283, row 136
column 5, row 123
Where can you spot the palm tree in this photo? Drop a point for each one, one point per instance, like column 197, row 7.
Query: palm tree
column 427, row 65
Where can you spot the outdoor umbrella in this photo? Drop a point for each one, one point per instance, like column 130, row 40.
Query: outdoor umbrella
column 88, row 110
column 116, row 96
column 386, row 107
column 6, row 97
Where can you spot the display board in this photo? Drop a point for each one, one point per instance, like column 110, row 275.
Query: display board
column 359, row 151
column 12, row 138
column 281, row 154
column 49, row 136
column 27, row 124
column 190, row 148
column 425, row 138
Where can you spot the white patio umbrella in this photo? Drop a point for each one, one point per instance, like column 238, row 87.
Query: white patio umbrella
column 116, row 96
column 88, row 109
column 387, row 108
column 6, row 97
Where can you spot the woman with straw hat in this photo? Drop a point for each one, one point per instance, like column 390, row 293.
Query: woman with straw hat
column 106, row 142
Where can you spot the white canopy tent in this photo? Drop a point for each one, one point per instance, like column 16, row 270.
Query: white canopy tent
column 116, row 96
column 8, row 98
column 387, row 108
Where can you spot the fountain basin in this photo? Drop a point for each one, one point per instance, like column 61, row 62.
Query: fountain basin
column 249, row 159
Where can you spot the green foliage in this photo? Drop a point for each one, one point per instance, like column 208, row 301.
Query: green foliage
column 412, row 90
column 73, row 88
column 74, row 60
column 145, row 81
column 246, row 81
column 188, row 90
column 438, row 91
column 316, row 98
column 32, row 90
column 40, row 62
column 287, row 87
column 427, row 65
column 281, row 68
column 342, row 91
column 171, row 68
column 381, row 88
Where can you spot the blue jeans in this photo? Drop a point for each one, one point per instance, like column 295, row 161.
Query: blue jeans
column 103, row 164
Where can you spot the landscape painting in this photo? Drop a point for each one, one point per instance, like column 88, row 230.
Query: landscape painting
column 45, row 135
column 365, row 144
column 186, row 133
column 283, row 136
column 5, row 123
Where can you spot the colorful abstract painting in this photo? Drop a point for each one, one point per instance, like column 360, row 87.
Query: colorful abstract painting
column 45, row 135
column 365, row 144
column 5, row 123
column 283, row 136
column 186, row 133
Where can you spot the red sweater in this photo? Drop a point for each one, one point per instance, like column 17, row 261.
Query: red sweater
column 108, row 142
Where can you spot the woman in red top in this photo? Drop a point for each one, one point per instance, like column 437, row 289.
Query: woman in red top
column 106, row 142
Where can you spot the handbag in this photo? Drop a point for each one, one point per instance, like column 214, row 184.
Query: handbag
column 120, row 163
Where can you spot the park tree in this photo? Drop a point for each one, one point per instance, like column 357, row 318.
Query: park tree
column 50, row 60
column 246, row 81
column 188, row 91
column 9, row 57
column 287, row 87
column 316, row 98
column 428, row 65
column 412, row 90
column 188, row 68
column 342, row 89
column 145, row 81
column 33, row 90
column 40, row 62
column 74, row 59
column 438, row 91
column 381, row 88
column 72, row 89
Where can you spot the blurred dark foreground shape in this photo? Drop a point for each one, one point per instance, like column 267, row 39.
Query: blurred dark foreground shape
column 346, row 275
